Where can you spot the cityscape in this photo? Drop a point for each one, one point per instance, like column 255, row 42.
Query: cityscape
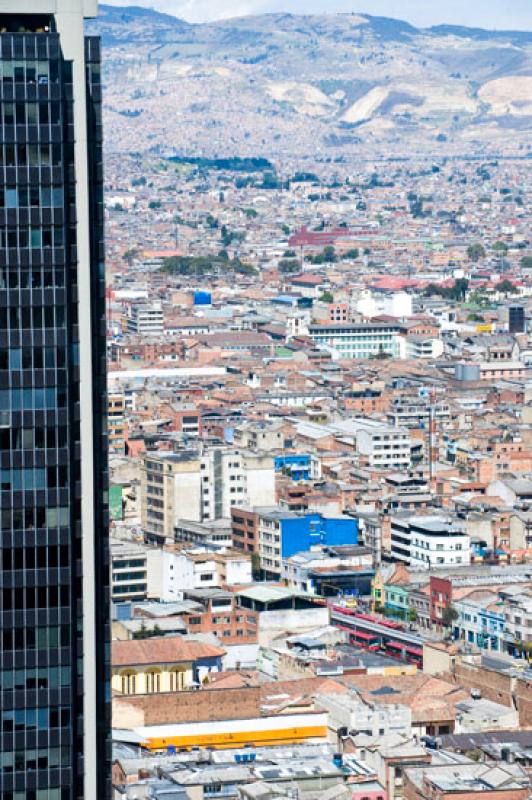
column 266, row 418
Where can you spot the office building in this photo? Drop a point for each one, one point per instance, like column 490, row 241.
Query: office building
column 54, row 671
column 365, row 340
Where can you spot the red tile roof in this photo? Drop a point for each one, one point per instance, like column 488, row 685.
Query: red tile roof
column 160, row 650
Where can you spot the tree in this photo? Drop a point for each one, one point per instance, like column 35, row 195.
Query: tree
column 412, row 615
column 475, row 252
column 500, row 247
column 329, row 255
column 353, row 253
column 449, row 615
column 478, row 298
column 526, row 262
column 456, row 292
column 154, row 204
column 287, row 265
column 130, row 255
column 251, row 213
column 460, row 288
column 327, row 297
column 147, row 633
column 506, row 287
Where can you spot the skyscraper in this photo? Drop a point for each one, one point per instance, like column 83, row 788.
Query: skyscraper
column 54, row 702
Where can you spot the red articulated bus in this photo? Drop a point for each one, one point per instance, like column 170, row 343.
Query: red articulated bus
column 386, row 623
column 414, row 655
column 366, row 640
column 342, row 610
column 400, row 650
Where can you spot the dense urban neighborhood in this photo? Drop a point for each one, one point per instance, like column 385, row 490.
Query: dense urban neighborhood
column 321, row 477
column 266, row 407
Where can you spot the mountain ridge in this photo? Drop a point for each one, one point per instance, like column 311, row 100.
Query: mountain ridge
column 341, row 82
column 107, row 10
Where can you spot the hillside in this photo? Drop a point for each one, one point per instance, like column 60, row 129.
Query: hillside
column 287, row 86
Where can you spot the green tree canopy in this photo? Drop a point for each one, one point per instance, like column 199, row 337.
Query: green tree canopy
column 287, row 265
column 476, row 251
column 506, row 287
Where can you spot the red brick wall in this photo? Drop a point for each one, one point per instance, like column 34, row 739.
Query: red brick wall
column 523, row 695
column 197, row 706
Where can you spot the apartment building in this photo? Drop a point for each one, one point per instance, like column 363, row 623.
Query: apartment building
column 116, row 423
column 382, row 446
column 264, row 435
column 219, row 613
column 429, row 541
column 412, row 412
column 481, row 620
column 284, row 533
column 518, row 619
column 200, row 487
column 139, row 572
column 215, row 570
column 146, row 320
column 245, row 529
column 214, row 534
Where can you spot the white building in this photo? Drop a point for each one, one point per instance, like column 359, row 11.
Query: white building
column 216, row 570
column 428, row 542
column 393, row 304
column 169, row 574
column 139, row 572
column 361, row 717
column 381, row 445
column 146, row 320
column 358, row 340
column 417, row 346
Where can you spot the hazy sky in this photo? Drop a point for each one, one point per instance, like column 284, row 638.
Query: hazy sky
column 509, row 14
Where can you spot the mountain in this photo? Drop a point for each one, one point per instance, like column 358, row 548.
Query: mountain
column 285, row 85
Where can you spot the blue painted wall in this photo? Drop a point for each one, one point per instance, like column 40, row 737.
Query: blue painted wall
column 301, row 533
column 299, row 460
column 202, row 299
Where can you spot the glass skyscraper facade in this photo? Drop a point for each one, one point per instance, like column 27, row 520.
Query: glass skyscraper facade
column 54, row 621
